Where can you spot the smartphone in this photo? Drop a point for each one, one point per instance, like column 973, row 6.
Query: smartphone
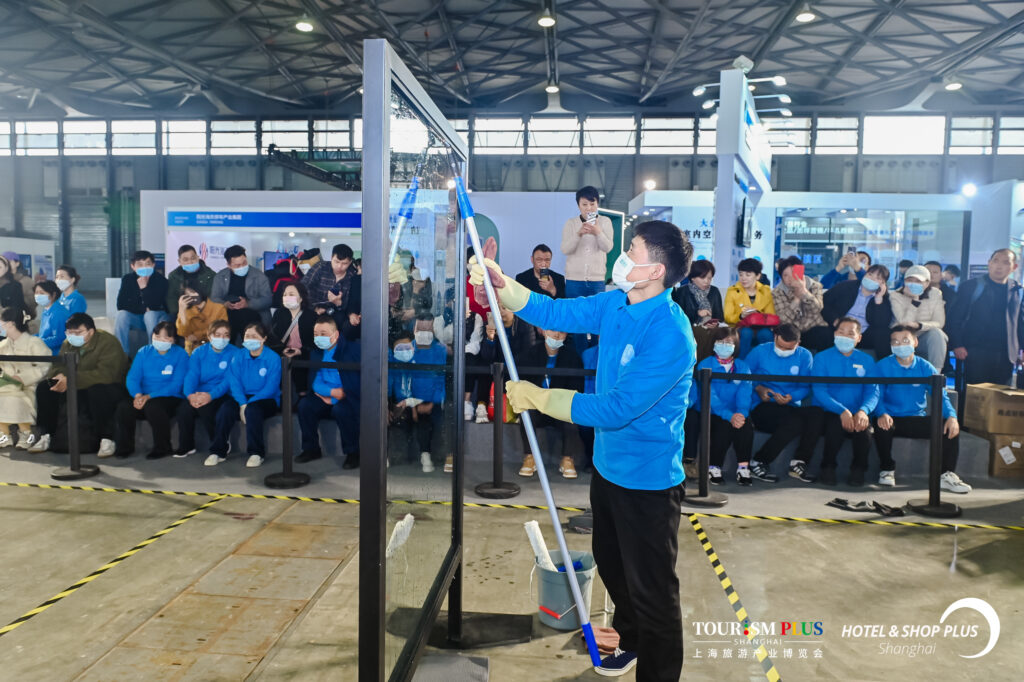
column 851, row 249
column 591, row 216
column 545, row 272
column 798, row 271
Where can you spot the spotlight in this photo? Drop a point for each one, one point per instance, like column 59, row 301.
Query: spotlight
column 649, row 185
column 785, row 99
column 551, row 88
column 751, row 87
column 451, row 183
column 969, row 189
column 323, row 240
column 708, row 103
column 291, row 234
column 779, row 80
column 952, row 83
column 786, row 112
column 304, row 24
column 714, row 117
column 647, row 213
column 699, row 90
column 806, row 14
column 546, row 20
column 842, row 210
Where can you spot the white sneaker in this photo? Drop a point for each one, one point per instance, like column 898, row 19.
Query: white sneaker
column 41, row 445
column 6, row 441
column 951, row 482
column 887, row 478
column 426, row 462
column 253, row 461
column 179, row 453
column 25, row 440
column 107, row 448
column 481, row 414
column 213, row 460
column 467, row 410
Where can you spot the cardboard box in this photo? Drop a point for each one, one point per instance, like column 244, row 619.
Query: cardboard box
column 994, row 408
column 1006, row 456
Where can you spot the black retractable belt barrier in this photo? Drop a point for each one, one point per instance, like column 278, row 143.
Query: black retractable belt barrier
column 704, row 497
column 287, row 477
column 76, row 470
column 960, row 383
column 933, row 506
column 498, row 488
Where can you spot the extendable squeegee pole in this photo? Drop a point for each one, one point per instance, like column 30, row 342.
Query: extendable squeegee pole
column 408, row 203
column 531, row 436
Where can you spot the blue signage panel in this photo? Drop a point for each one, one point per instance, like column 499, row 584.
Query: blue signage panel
column 269, row 219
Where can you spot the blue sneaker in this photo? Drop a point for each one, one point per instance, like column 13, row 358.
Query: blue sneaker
column 619, row 663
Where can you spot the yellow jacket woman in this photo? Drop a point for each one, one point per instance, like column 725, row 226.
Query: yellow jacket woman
column 737, row 300
column 18, row 379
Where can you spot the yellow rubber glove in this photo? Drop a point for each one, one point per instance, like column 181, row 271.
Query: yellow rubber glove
column 397, row 274
column 511, row 293
column 554, row 402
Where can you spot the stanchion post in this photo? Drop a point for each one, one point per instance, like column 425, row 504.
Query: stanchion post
column 934, row 506
column 498, row 489
column 76, row 470
column 286, row 478
column 704, row 497
column 960, row 381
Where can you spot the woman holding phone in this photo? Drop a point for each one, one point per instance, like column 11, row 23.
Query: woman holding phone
column 195, row 315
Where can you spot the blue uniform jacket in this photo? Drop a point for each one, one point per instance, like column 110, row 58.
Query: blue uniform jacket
column 208, row 370
column 259, row 377
column 838, row 397
column 73, row 302
column 908, row 400
column 727, row 397
column 423, row 385
column 51, row 326
column 158, row 376
column 644, row 370
column 763, row 360
column 344, row 351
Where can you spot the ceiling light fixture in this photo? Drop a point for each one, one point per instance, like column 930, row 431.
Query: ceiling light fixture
column 304, row 24
column 785, row 99
column 552, row 88
column 547, row 19
column 806, row 15
column 952, row 83
column 699, row 90
column 708, row 103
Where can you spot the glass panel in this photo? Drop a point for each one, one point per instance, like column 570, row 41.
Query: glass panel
column 428, row 247
column 609, row 135
column 286, row 135
column 498, row 135
column 185, row 138
column 133, row 137
column 904, row 134
column 788, row 135
column 233, row 137
column 5, row 138
column 36, row 138
column 971, row 122
column 970, row 141
column 331, row 134
column 554, row 135
column 666, row 136
column 707, row 137
column 85, row 138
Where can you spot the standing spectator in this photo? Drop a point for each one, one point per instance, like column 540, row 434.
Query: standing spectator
column 155, row 383
column 18, row 380
column 254, row 377
column 330, row 283
column 243, row 290
column 851, row 266
column 418, row 396
column 541, row 278
column 67, row 279
column 982, row 322
column 843, row 409
column 919, row 307
column 190, row 269
column 24, row 279
column 730, row 408
column 11, row 295
column 903, row 411
column 951, row 276
column 798, row 301
column 777, row 409
column 745, row 298
column 902, row 267
column 52, row 315
column 937, row 279
column 586, row 240
column 551, row 353
column 307, row 260
column 291, row 330
column 101, row 371
column 206, row 386
column 142, row 299
column 867, row 301
column 195, row 315
column 702, row 304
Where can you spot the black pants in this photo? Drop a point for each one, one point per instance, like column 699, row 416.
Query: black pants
column 255, row 414
column 587, row 436
column 988, row 365
column 818, row 420
column 345, row 413
column 635, row 541
column 99, row 402
column 158, row 412
column 913, row 427
column 427, row 429
column 480, row 382
column 724, row 435
column 187, row 415
column 786, row 424
column 691, row 435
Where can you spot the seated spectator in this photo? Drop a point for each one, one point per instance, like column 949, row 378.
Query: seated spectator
column 101, row 371
column 851, row 266
column 18, row 380
column 919, row 306
column 142, row 299
column 25, row 280
column 903, row 265
column 951, row 276
column 307, row 260
column 777, row 405
column 155, row 383
column 67, row 279
column 291, row 330
column 284, row 272
column 730, row 408
column 478, row 383
column 254, row 378
column 903, row 411
column 702, row 304
column 243, row 290
column 983, row 321
column 798, row 301
column 190, row 269
column 206, row 386
column 867, row 301
column 195, row 315
column 552, row 352
column 52, row 315
column 328, row 396
column 937, row 280
column 746, row 297
column 10, row 289
column 417, row 397
column 841, row 410
column 541, row 278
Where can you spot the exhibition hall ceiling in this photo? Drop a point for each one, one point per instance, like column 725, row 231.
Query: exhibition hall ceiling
column 249, row 57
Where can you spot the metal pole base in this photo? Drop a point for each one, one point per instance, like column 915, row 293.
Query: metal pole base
column 68, row 474
column 500, row 491
column 281, row 480
column 709, row 500
column 942, row 510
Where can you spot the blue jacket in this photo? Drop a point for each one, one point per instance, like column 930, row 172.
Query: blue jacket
column 327, row 379
column 838, row 397
column 908, row 400
column 73, row 302
column 727, row 397
column 763, row 360
column 832, row 278
column 158, row 376
column 344, row 351
column 259, row 377
column 51, row 326
column 644, row 370
column 427, row 386
column 208, row 370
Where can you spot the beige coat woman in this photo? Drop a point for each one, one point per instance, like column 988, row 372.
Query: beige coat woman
column 18, row 400
column 927, row 317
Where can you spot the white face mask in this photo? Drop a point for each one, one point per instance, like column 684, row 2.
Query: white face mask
column 623, row 266
column 304, row 267
column 63, row 284
column 783, row 353
column 291, row 302
column 424, row 338
column 553, row 344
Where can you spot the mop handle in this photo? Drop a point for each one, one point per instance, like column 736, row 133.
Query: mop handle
column 467, row 213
